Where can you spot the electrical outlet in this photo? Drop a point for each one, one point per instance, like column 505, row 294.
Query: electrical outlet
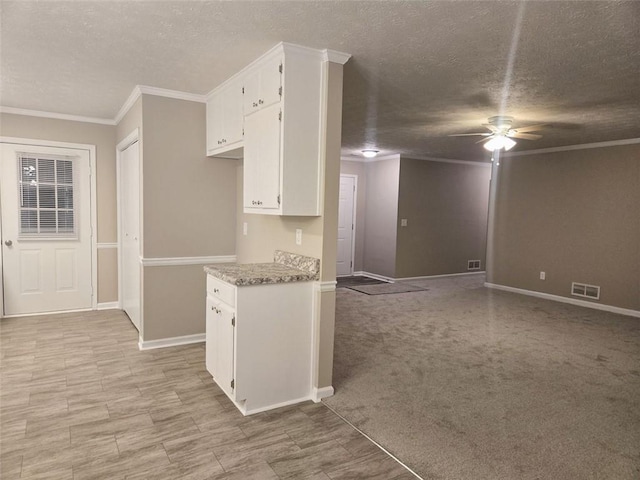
column 403, row 222
column 245, row 228
column 298, row 236
column 543, row 275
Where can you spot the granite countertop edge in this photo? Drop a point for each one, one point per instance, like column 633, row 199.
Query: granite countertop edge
column 286, row 268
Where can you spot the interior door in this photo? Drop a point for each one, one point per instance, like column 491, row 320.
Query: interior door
column 130, row 231
column 344, row 263
column 46, row 229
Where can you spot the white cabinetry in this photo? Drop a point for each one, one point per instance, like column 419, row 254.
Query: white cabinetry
column 258, row 342
column 288, row 150
column 263, row 83
column 225, row 120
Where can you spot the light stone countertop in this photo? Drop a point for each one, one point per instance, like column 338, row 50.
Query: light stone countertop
column 287, row 267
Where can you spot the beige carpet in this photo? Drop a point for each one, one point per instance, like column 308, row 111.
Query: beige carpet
column 462, row 382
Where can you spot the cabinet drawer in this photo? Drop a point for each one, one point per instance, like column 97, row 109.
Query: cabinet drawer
column 221, row 290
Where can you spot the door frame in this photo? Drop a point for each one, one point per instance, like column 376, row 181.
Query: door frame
column 93, row 210
column 129, row 140
column 353, row 219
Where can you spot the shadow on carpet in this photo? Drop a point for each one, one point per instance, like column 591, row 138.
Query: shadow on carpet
column 387, row 288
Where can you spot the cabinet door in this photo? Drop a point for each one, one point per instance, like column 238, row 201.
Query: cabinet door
column 270, row 82
column 251, row 91
column 226, row 349
column 211, row 337
column 232, row 98
column 262, row 159
column 214, row 122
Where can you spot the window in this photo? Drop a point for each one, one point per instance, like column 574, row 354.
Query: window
column 45, row 186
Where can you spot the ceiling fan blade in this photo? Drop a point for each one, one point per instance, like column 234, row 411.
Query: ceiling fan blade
column 530, row 128
column 493, row 128
column 469, row 134
column 485, row 139
column 525, row 136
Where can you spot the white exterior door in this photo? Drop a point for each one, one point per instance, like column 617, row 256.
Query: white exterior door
column 46, row 229
column 129, row 190
column 346, row 225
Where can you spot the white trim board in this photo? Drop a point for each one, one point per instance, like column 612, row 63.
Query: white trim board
column 173, row 261
column 462, row 274
column 171, row 342
column 583, row 146
column 107, row 245
column 57, row 116
column 374, row 275
column 108, row 305
column 317, row 394
column 139, row 90
column 572, row 301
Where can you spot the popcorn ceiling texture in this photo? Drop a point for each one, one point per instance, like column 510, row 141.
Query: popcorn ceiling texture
column 419, row 72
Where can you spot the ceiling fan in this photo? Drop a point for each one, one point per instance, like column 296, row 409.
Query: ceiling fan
column 501, row 133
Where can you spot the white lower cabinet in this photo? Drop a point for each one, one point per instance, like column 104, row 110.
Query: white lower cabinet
column 258, row 342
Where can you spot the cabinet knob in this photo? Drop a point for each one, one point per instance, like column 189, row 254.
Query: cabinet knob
column 255, row 104
column 260, row 101
column 215, row 290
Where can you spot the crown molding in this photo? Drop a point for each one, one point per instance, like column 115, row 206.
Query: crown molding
column 335, row 56
column 395, row 156
column 57, row 116
column 449, row 160
column 139, row 90
column 583, row 146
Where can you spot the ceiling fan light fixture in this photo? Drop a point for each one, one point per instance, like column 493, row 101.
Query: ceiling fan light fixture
column 498, row 142
column 370, row 153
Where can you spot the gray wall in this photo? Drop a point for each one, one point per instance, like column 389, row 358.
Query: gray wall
column 381, row 217
column 574, row 215
column 189, row 210
column 358, row 169
column 446, row 207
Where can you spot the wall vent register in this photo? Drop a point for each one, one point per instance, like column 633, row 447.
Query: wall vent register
column 584, row 290
column 473, row 265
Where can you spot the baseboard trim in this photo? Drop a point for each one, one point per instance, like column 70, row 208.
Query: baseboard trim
column 174, row 261
column 171, row 342
column 376, row 276
column 108, row 305
column 252, row 411
column 317, row 394
column 426, row 277
column 572, row 301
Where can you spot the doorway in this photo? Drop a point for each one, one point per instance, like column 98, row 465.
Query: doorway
column 47, row 198
column 346, row 225
column 129, row 238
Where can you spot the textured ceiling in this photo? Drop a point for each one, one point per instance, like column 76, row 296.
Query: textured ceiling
column 420, row 70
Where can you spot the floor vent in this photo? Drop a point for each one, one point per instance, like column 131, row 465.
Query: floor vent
column 473, row 264
column 584, row 290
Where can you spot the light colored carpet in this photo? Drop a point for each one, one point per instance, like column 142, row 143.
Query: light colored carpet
column 462, row 382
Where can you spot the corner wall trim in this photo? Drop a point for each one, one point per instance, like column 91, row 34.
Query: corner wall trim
column 173, row 261
column 329, row 286
column 171, row 342
column 318, row 394
column 108, row 305
column 572, row 301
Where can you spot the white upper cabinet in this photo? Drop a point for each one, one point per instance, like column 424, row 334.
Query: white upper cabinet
column 225, row 120
column 280, row 130
column 263, row 84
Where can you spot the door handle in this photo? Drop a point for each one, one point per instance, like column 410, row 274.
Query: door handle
column 8, row 243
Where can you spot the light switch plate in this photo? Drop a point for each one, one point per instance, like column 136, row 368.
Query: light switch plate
column 245, row 228
column 403, row 222
column 298, row 236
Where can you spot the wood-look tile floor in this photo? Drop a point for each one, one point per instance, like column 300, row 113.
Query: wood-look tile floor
column 78, row 400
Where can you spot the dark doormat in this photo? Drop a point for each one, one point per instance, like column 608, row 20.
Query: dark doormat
column 387, row 288
column 357, row 280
